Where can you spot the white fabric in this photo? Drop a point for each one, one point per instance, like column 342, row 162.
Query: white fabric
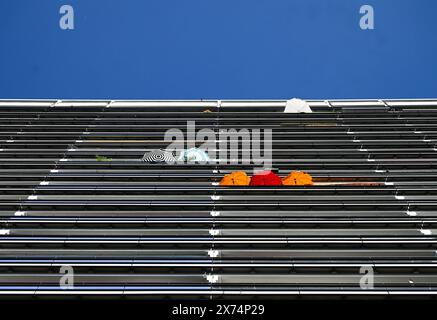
column 193, row 155
column 297, row 105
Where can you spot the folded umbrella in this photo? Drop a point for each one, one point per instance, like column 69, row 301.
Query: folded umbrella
column 266, row 178
column 238, row 178
column 297, row 178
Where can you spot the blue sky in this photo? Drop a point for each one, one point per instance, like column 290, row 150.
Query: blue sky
column 228, row 49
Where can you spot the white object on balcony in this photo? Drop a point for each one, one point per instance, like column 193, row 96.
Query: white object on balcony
column 297, row 106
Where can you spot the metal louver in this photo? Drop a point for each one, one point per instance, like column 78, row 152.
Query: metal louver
column 129, row 228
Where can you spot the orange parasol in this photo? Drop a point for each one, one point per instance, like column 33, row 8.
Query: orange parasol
column 238, row 178
column 297, row 178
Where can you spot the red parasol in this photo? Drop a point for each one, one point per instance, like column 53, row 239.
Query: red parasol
column 265, row 178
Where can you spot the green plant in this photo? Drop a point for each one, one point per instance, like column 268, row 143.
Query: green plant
column 102, row 158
